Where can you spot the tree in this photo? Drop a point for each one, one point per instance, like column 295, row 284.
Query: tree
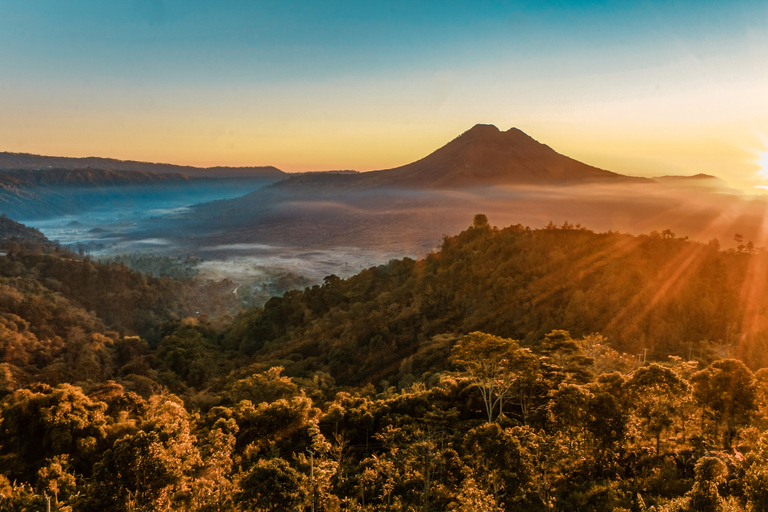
column 526, row 381
column 137, row 473
column 480, row 221
column 499, row 463
column 656, row 395
column 565, row 358
column 704, row 496
column 213, row 488
column 263, row 387
column 379, row 477
column 488, row 360
column 270, row 422
column 271, row 485
column 756, row 486
column 568, row 410
column 473, row 499
column 727, row 393
column 739, row 239
column 41, row 424
column 319, row 470
column 55, row 478
column 606, row 421
column 756, row 475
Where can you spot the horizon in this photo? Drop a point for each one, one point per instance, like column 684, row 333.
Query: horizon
column 641, row 90
column 755, row 190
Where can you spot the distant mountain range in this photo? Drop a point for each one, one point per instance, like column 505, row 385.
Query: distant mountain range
column 34, row 186
column 481, row 156
column 507, row 175
column 14, row 180
column 25, row 161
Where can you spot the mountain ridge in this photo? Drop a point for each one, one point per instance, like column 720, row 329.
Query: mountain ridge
column 481, row 156
column 28, row 161
column 12, row 179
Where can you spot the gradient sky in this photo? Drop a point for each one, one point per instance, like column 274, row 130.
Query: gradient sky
column 643, row 88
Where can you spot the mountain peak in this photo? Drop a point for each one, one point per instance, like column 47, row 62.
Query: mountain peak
column 518, row 133
column 490, row 130
column 482, row 129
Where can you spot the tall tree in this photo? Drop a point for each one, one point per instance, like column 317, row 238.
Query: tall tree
column 656, row 393
column 488, row 360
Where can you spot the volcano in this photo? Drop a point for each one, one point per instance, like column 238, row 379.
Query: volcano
column 486, row 156
column 482, row 156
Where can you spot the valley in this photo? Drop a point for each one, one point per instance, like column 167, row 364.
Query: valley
column 257, row 226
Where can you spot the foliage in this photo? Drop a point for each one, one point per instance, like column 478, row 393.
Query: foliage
column 474, row 379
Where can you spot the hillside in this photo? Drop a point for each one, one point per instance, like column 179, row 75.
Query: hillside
column 49, row 294
column 13, row 232
column 667, row 295
column 659, row 293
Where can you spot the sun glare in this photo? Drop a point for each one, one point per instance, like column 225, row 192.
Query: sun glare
column 763, row 172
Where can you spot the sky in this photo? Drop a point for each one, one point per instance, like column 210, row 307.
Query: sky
column 642, row 88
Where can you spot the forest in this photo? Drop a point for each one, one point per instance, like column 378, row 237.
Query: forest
column 552, row 369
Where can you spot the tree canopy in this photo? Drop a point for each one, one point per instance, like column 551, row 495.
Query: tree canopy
column 513, row 369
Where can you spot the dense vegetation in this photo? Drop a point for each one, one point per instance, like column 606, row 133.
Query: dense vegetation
column 470, row 380
column 668, row 295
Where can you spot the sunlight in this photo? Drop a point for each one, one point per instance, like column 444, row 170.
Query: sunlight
column 670, row 280
column 586, row 265
column 762, row 174
column 753, row 296
column 673, row 277
column 763, row 162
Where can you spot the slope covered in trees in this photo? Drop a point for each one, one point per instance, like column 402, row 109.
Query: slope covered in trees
column 54, row 302
column 654, row 293
column 473, row 379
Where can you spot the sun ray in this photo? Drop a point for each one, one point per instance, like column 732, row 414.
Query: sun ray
column 753, row 296
column 670, row 278
column 667, row 282
column 588, row 264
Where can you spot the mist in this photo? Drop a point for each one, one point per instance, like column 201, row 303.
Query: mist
column 267, row 240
